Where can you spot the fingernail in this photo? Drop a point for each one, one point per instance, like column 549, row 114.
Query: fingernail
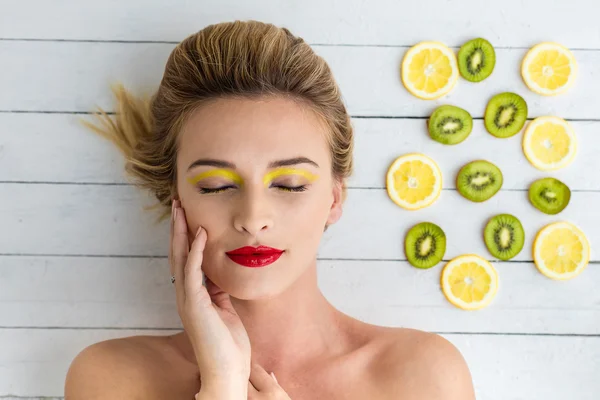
column 199, row 230
column 273, row 375
column 175, row 213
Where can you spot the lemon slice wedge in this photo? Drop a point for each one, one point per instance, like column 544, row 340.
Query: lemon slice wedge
column 561, row 251
column 469, row 282
column 549, row 143
column 429, row 70
column 414, row 181
column 549, row 68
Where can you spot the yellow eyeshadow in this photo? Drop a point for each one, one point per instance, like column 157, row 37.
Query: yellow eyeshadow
column 289, row 171
column 224, row 173
column 228, row 174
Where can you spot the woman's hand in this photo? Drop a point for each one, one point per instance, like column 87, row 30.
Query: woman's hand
column 220, row 341
column 264, row 386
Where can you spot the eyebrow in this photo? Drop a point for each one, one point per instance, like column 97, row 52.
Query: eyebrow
column 272, row 164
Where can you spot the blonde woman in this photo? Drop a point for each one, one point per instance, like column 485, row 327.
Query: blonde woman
column 248, row 142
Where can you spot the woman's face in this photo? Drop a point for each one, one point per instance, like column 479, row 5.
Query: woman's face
column 271, row 162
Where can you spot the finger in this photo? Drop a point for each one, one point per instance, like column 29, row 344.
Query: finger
column 180, row 253
column 261, row 379
column 220, row 297
column 252, row 392
column 172, row 267
column 193, row 268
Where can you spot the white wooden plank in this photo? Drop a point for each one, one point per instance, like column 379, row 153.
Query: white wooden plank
column 374, row 227
column 503, row 367
column 54, row 294
column 77, row 76
column 37, row 360
column 91, row 292
column 369, row 80
column 388, row 22
column 531, row 367
column 56, row 148
column 379, row 141
column 109, row 220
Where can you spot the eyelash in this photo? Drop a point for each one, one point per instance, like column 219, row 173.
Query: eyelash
column 300, row 188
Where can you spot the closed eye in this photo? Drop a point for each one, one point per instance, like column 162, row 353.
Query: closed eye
column 215, row 190
column 300, row 188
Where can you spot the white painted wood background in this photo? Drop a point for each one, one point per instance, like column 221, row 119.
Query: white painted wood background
column 80, row 262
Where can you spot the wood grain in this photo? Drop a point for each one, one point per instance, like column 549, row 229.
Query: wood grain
column 55, row 148
column 80, row 262
column 76, row 78
column 511, row 23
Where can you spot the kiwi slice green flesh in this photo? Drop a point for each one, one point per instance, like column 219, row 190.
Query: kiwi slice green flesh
column 504, row 236
column 425, row 245
column 479, row 180
column 450, row 124
column 476, row 60
column 549, row 195
column 505, row 114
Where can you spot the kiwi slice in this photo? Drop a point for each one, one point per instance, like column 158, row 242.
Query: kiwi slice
column 549, row 195
column 425, row 245
column 476, row 60
column 479, row 180
column 450, row 124
column 505, row 114
column 504, row 236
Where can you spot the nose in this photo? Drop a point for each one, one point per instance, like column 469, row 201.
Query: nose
column 253, row 213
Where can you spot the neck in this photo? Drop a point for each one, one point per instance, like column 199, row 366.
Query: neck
column 291, row 330
column 295, row 327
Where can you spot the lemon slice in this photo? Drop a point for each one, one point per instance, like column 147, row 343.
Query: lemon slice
column 549, row 143
column 469, row 282
column 429, row 70
column 414, row 181
column 549, row 68
column 561, row 251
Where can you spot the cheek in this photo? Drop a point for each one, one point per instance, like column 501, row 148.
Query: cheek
column 209, row 216
column 307, row 229
column 205, row 212
column 307, row 215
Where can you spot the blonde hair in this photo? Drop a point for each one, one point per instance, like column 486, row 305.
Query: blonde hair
column 245, row 59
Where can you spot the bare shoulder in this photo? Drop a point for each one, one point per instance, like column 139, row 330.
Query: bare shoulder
column 124, row 368
column 107, row 369
column 418, row 364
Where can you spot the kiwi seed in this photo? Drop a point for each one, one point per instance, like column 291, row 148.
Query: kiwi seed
column 504, row 236
column 476, row 60
column 450, row 124
column 479, row 180
column 425, row 245
column 505, row 114
column 549, row 195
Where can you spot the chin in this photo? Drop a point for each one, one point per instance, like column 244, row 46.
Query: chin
column 250, row 283
column 245, row 291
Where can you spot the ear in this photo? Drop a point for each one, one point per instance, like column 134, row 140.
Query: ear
column 335, row 212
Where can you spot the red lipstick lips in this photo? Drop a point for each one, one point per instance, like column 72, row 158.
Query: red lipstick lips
column 255, row 257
